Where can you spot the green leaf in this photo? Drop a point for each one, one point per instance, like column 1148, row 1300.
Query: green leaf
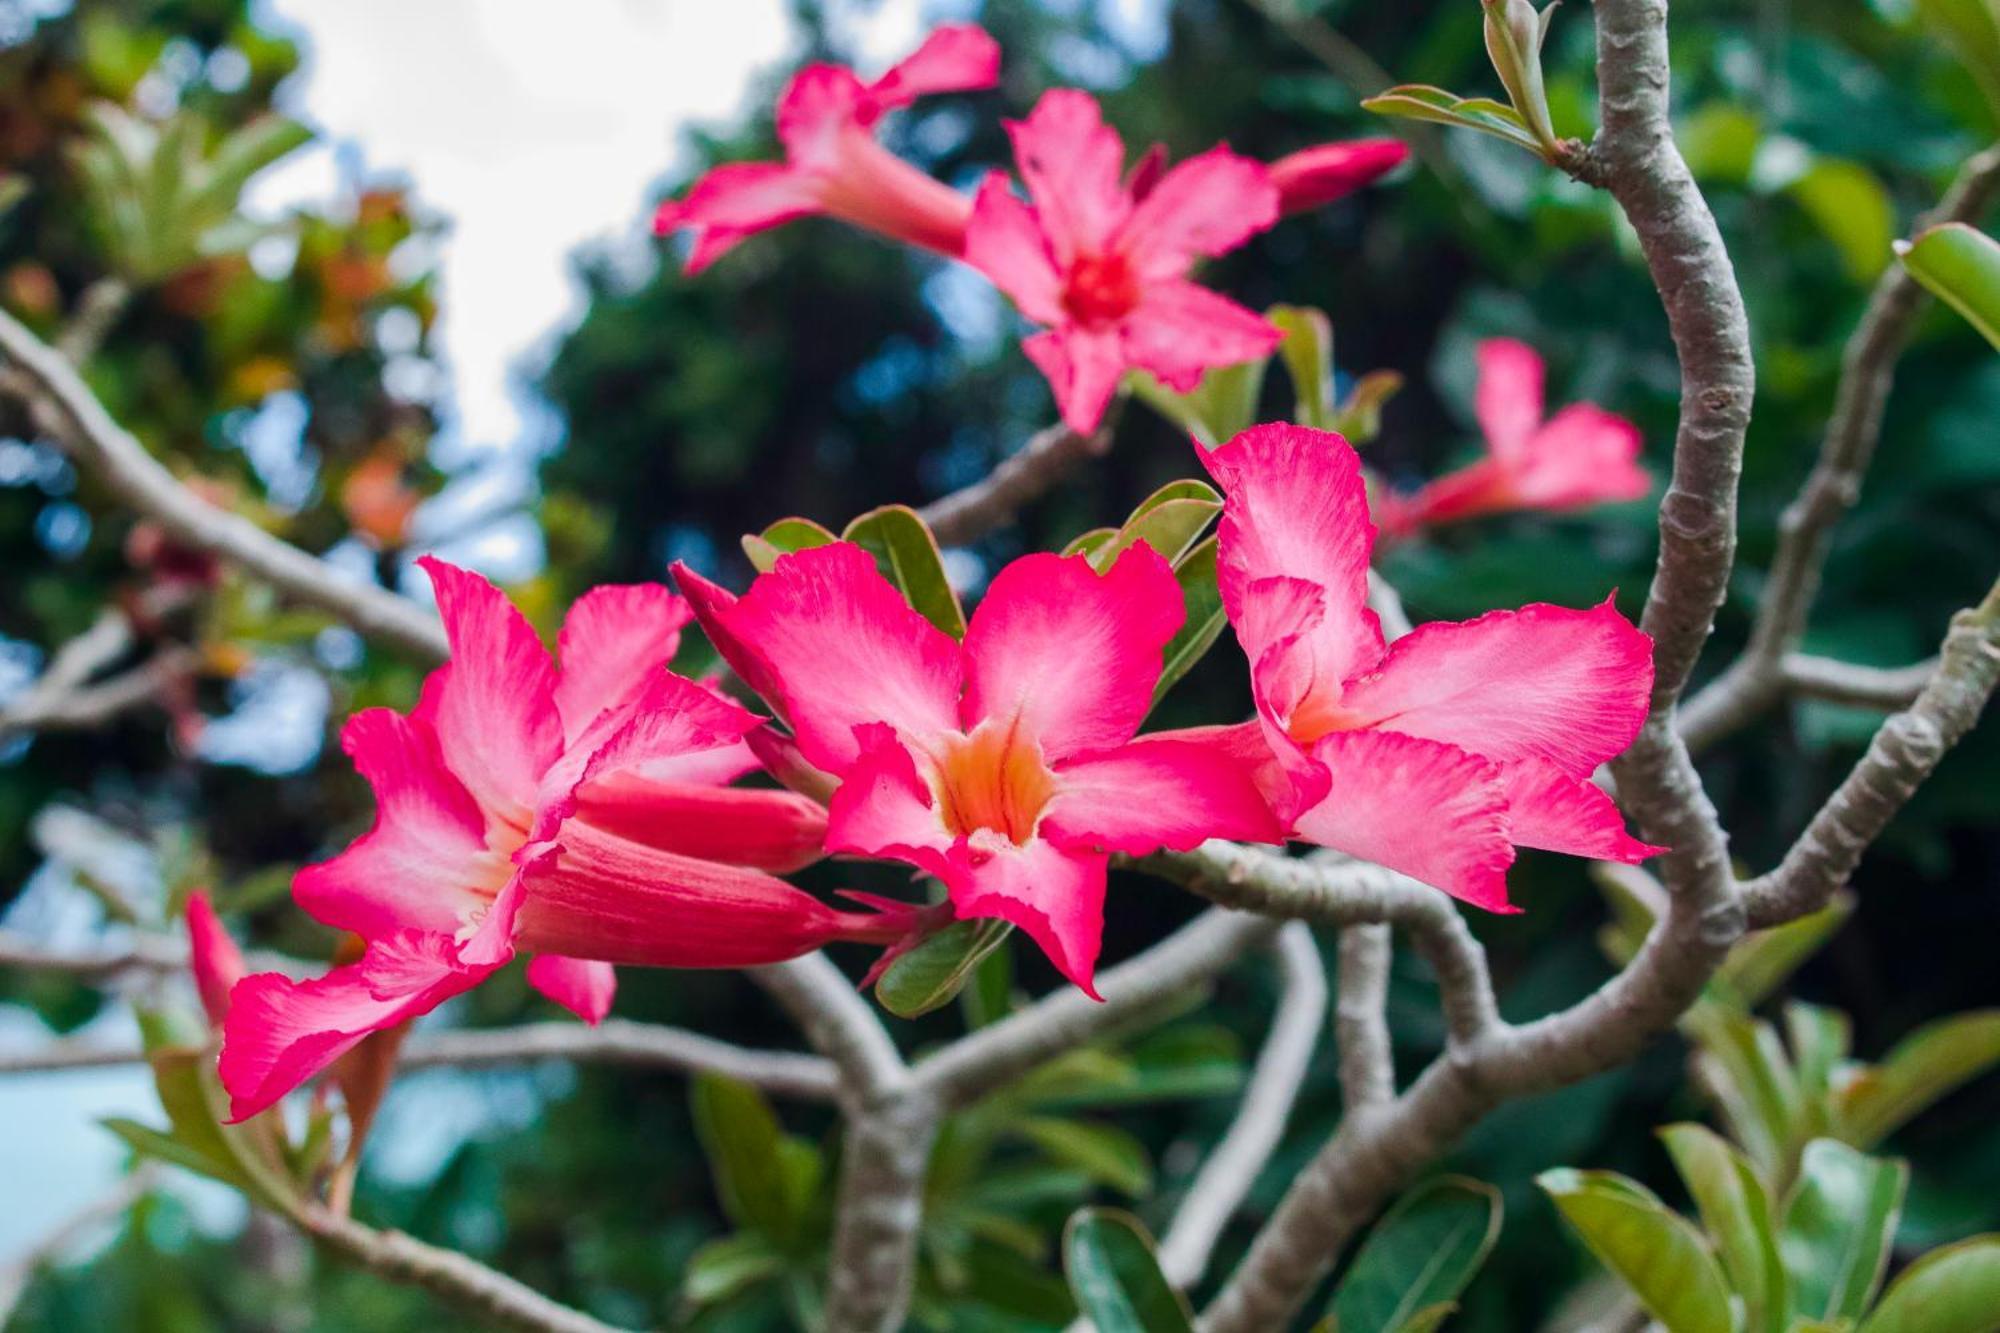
column 1419, row 1257
column 1415, row 101
column 1736, row 1212
column 1962, row 267
column 1761, row 961
column 931, row 974
column 741, row 1136
column 150, row 1142
column 1920, row 1069
column 1105, row 1153
column 1169, row 520
column 722, row 1268
column 1087, row 542
column 1653, row 1250
column 196, row 1107
column 1819, row 1038
column 1205, row 619
column 1971, row 28
column 908, row 557
column 990, row 995
column 1359, row 418
column 1115, row 1277
column 1221, row 405
column 1307, row 352
column 782, row 538
column 1838, row 1228
column 1848, row 204
column 1745, row 1066
column 1428, row 1319
column 1955, row 1289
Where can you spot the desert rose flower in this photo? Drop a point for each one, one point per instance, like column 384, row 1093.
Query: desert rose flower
column 1106, row 272
column 1441, row 753
column 576, row 813
column 834, row 166
column 1006, row 766
column 213, row 958
column 1314, row 177
column 1583, row 455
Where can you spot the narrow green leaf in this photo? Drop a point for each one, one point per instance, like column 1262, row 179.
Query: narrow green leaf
column 1653, row 1250
column 1116, row 1278
column 1421, row 102
column 990, row 996
column 196, row 1108
column 1839, row 1224
column 1359, row 417
column 1736, row 1212
column 1962, row 266
column 1419, row 1257
column 931, row 975
column 1085, row 543
column 1761, row 961
column 1170, row 528
column 722, row 1268
column 1955, row 1289
column 1820, row 1039
column 1221, row 405
column 1850, row 206
column 1307, row 352
column 782, row 538
column 1105, row 1153
column 908, row 557
column 160, row 1144
column 1746, row 1067
column 1204, row 622
column 741, row 1136
column 1929, row 1063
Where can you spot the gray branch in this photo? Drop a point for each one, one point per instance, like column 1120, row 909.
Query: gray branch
column 966, row 515
column 1361, row 1024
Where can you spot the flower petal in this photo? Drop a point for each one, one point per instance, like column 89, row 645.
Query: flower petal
column 613, row 641
column 956, row 57
column 778, row 831
column 1071, row 162
column 1548, row 808
column 820, row 104
column 1069, row 654
column 1083, row 367
column 1207, row 205
column 1313, row 177
column 580, row 985
column 1431, row 811
column 1508, row 399
column 1483, row 487
column 1181, row 329
column 1584, row 455
column 1568, row 686
column 213, row 958
column 734, row 201
column 1298, row 509
column 833, row 645
column 1054, row 894
column 281, row 1032
column 493, row 704
column 1004, row 241
column 884, row 808
column 1164, row 790
column 425, row 864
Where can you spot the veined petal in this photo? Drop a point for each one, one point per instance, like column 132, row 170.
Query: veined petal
column 1004, row 241
column 1167, row 790
column 821, row 103
column 1182, row 329
column 778, row 831
column 1316, row 176
column 1584, row 455
column 613, row 641
column 734, row 201
column 1297, row 509
column 425, row 865
column 884, row 808
column 1508, row 399
column 1549, row 809
column 583, row 986
column 1070, row 654
column 213, row 958
column 1207, row 205
column 1568, row 686
column 281, row 1032
column 838, row 647
column 956, row 57
column 1083, row 367
column 618, row 901
column 1071, row 162
column 1431, row 811
column 493, row 704
column 1054, row 894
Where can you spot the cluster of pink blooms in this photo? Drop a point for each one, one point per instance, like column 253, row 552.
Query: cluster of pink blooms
column 582, row 808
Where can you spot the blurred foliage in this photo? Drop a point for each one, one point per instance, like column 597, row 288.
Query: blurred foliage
column 822, row 373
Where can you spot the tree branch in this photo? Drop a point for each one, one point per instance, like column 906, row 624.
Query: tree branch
column 967, row 514
column 1226, row 1177
column 1361, row 1025
column 1886, row 688
column 1760, row 676
column 148, row 952
column 87, row 707
column 68, row 411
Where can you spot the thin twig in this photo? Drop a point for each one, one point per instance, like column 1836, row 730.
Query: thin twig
column 1225, row 1178
column 148, row 951
column 89, row 707
column 1862, row 686
column 966, row 515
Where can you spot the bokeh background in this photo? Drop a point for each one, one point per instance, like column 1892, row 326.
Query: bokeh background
column 451, row 330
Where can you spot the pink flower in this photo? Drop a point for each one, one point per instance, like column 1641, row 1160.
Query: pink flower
column 1107, row 272
column 1581, row 456
column 578, row 813
column 1314, row 177
column 833, row 165
column 213, row 957
column 1006, row 766
column 1441, row 753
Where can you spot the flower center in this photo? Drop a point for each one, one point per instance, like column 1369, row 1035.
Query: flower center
column 1319, row 713
column 1101, row 288
column 993, row 779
